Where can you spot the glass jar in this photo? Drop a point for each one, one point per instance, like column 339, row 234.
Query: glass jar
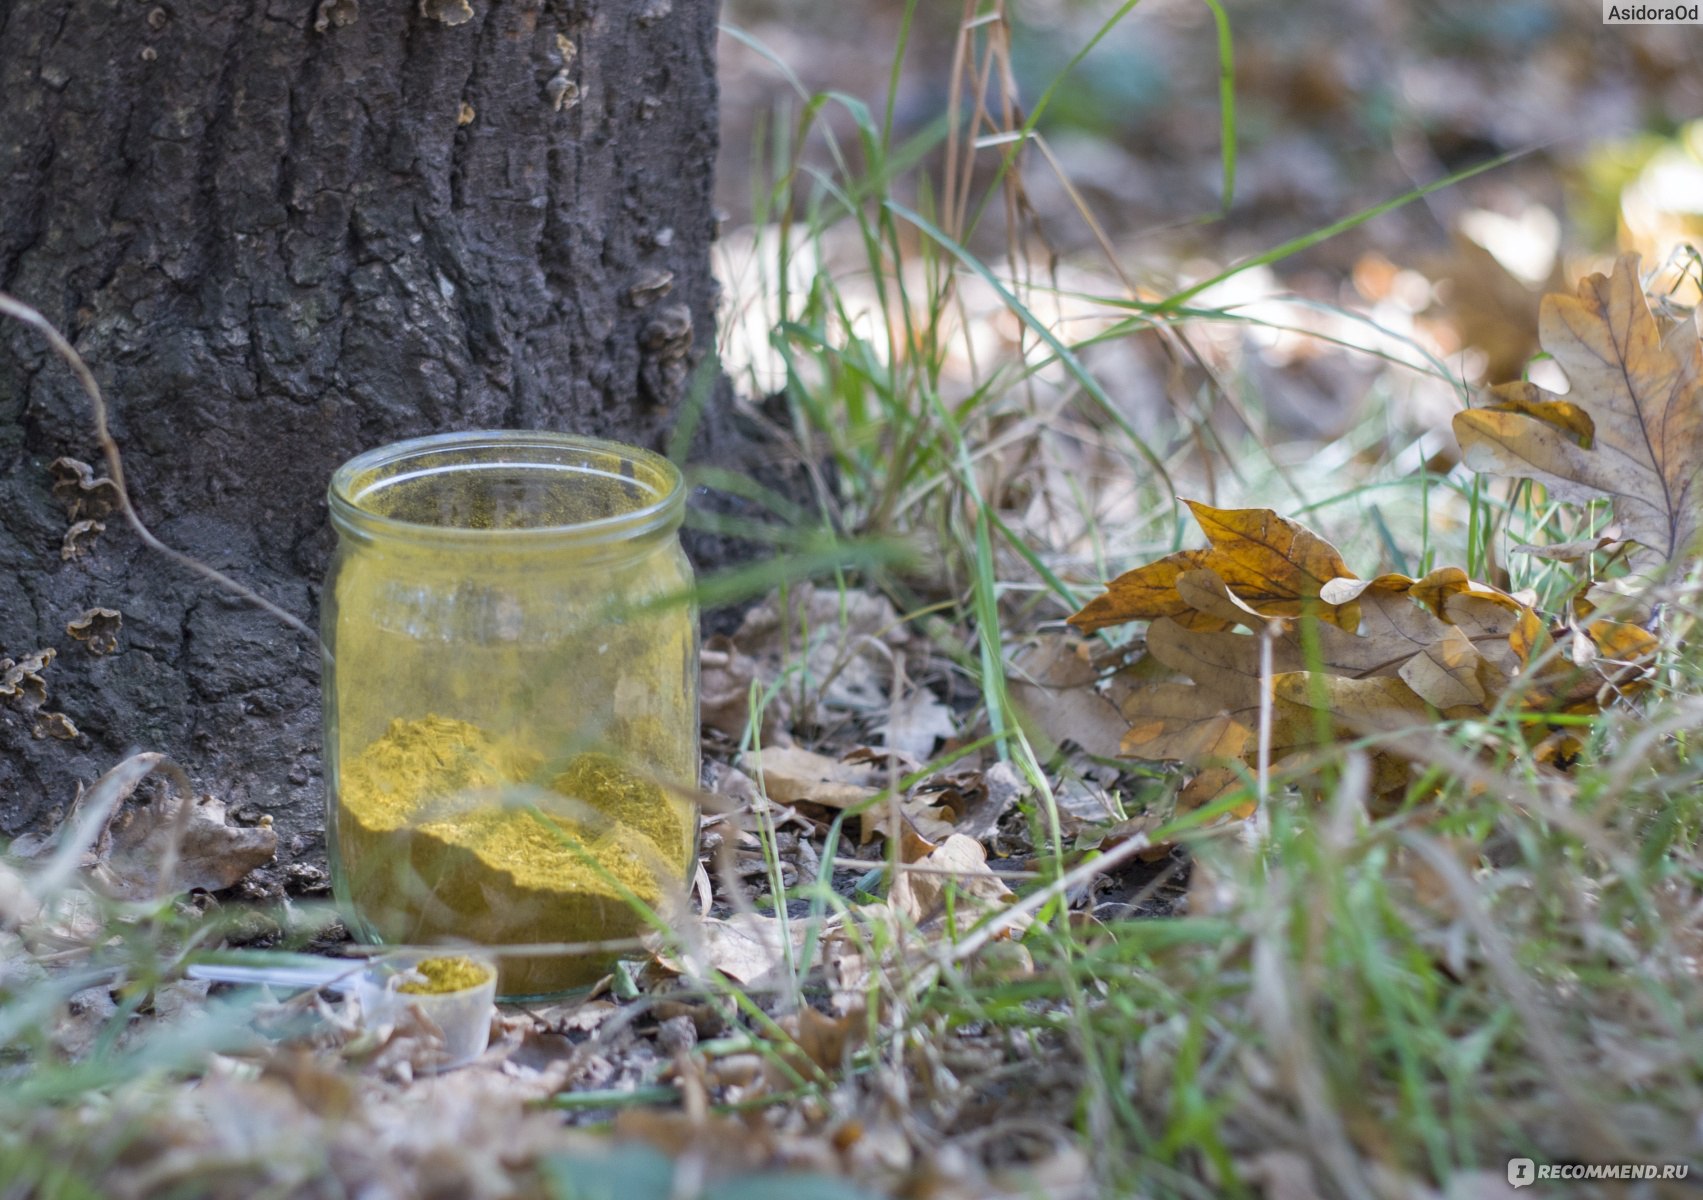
column 511, row 709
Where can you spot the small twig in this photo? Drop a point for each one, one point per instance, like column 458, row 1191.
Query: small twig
column 1262, row 781
column 1033, row 902
column 18, row 310
column 538, row 949
column 870, row 864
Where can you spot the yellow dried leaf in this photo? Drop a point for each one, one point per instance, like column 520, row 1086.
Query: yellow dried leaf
column 1144, row 594
column 1597, row 661
column 1275, row 564
column 1271, row 566
column 1523, row 396
column 1630, row 428
column 1206, row 592
column 1622, row 643
column 1269, row 622
column 1208, row 786
column 1443, row 646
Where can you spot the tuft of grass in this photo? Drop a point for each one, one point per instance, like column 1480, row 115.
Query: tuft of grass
column 1501, row 969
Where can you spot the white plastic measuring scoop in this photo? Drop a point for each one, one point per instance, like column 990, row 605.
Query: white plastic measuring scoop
column 464, row 1016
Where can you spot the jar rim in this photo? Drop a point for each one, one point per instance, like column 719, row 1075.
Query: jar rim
column 364, row 475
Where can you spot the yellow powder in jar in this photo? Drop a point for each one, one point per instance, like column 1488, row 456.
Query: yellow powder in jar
column 447, row 832
column 441, row 976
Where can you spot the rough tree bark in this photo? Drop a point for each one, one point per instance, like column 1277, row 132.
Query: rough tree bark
column 283, row 231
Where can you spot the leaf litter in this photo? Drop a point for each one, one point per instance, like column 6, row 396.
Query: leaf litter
column 1265, row 637
column 302, row 1097
column 1265, row 644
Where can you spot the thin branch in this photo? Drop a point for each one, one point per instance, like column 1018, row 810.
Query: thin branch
column 19, row 311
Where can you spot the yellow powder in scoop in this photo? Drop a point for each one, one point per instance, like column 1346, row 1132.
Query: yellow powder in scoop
column 441, row 976
column 447, row 832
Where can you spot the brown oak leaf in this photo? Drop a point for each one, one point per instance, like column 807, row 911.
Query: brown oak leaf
column 1630, row 428
column 1418, row 650
column 1272, row 566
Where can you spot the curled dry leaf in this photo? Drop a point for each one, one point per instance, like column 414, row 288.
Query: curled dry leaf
column 821, row 1039
column 1265, row 564
column 1336, row 656
column 177, row 841
column 1630, row 428
column 834, row 647
column 750, row 948
column 957, row 867
column 726, row 675
column 916, row 722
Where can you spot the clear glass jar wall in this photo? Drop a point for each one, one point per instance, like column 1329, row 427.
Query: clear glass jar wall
column 511, row 713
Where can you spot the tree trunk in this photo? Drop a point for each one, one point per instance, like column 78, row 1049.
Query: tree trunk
column 281, row 232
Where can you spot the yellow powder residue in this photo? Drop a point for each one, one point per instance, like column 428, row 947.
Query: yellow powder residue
column 441, row 976
column 449, row 832
column 433, row 758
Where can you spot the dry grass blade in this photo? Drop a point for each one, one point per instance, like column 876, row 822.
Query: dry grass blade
column 1543, row 1037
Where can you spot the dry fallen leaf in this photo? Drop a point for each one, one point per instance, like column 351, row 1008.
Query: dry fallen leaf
column 1054, row 682
column 916, row 722
column 726, row 676
column 1264, row 565
column 792, row 775
column 957, row 866
column 1630, row 428
column 817, row 659
column 750, row 948
column 198, row 848
column 1490, row 307
column 1333, row 656
column 823, row 1039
